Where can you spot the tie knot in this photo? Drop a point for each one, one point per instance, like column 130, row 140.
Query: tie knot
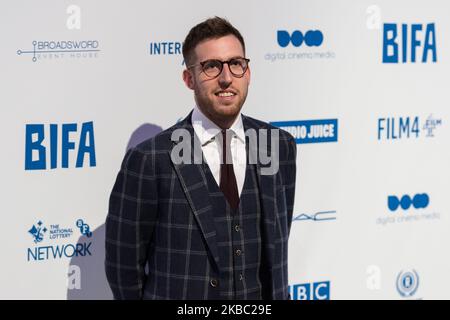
column 226, row 146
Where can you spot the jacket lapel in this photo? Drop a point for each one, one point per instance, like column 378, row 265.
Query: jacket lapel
column 267, row 189
column 193, row 181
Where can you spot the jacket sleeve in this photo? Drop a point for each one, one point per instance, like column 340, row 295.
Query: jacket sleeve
column 129, row 225
column 290, row 177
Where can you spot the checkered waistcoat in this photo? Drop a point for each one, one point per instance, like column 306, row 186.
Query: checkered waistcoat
column 241, row 260
column 161, row 229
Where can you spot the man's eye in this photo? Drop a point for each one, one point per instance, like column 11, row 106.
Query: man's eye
column 211, row 65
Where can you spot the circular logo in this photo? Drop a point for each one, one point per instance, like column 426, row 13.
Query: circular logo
column 407, row 283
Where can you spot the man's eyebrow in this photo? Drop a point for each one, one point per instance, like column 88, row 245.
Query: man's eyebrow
column 234, row 57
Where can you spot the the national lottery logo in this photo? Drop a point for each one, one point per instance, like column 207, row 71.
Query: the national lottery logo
column 37, row 231
column 40, row 232
column 407, row 283
column 61, row 49
column 311, row 131
column 59, row 249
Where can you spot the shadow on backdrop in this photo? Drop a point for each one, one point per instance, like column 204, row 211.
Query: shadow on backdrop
column 86, row 274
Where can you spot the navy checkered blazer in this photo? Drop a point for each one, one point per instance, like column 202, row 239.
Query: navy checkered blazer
column 160, row 212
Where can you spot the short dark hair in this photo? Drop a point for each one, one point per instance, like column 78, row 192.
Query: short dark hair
column 211, row 28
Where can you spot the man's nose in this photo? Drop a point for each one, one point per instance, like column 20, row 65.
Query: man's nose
column 225, row 77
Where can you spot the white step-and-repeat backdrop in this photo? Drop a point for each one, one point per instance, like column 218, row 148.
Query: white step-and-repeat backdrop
column 362, row 85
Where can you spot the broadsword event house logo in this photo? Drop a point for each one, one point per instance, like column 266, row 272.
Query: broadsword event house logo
column 61, row 49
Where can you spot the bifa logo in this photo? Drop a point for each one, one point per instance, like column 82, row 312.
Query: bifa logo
column 419, row 201
column 311, row 131
column 61, row 49
column 310, row 291
column 409, row 43
column 406, row 127
column 50, row 147
column 312, row 38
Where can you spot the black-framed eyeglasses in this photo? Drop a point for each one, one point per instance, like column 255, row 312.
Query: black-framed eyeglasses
column 213, row 67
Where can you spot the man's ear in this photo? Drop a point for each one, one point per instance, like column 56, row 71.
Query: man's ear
column 188, row 79
column 249, row 75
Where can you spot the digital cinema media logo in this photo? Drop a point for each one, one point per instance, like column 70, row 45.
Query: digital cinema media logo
column 312, row 38
column 408, row 208
column 61, row 49
column 418, row 201
column 311, row 131
column 409, row 43
column 300, row 45
column 408, row 127
column 50, row 146
column 40, row 234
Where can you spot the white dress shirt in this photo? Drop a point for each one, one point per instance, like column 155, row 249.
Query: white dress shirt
column 210, row 138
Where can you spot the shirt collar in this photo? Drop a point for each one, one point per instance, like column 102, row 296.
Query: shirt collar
column 206, row 130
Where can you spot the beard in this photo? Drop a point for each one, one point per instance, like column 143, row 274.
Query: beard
column 220, row 111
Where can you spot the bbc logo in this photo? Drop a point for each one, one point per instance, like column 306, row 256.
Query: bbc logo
column 310, row 291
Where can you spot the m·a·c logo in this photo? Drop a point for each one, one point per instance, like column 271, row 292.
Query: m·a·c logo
column 312, row 38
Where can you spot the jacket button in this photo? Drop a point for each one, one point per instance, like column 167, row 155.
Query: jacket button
column 214, row 283
column 237, row 228
column 238, row 252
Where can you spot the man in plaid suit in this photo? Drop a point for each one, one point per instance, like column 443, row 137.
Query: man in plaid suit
column 196, row 212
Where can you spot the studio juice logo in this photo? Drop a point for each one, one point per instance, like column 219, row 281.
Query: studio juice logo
column 310, row 131
column 41, row 234
column 61, row 49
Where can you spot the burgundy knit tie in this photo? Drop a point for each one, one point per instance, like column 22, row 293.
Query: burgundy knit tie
column 228, row 183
